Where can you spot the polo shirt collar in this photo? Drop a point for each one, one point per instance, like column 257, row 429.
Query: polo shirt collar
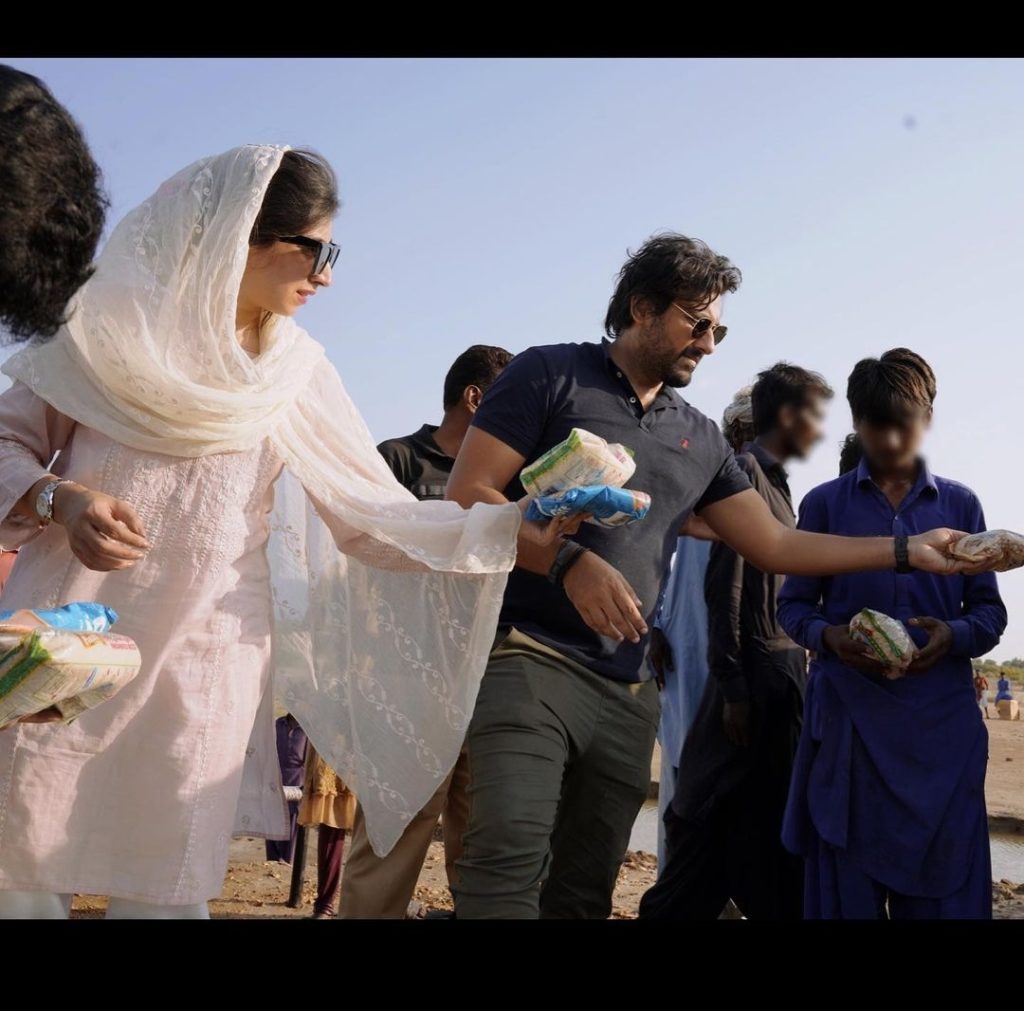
column 925, row 479
column 766, row 459
column 425, row 437
column 666, row 397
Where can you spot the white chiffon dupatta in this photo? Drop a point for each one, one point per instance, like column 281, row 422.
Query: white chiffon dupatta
column 384, row 607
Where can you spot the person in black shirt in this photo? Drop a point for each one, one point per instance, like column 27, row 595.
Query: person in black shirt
column 723, row 828
column 51, row 207
column 561, row 737
column 382, row 887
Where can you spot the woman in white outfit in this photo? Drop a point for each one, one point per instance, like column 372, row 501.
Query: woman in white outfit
column 176, row 395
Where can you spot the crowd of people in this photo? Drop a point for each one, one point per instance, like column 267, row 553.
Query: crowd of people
column 176, row 446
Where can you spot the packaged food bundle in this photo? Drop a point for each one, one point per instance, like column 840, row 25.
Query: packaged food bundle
column 580, row 460
column 886, row 637
column 610, row 507
column 1004, row 546
column 64, row 658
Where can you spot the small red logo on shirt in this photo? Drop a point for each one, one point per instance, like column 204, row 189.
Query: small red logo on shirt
column 685, row 443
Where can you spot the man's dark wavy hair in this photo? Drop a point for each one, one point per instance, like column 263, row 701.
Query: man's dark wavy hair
column 665, row 268
column 51, row 207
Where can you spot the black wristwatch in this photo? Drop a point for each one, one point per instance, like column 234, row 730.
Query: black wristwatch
column 568, row 555
column 902, row 544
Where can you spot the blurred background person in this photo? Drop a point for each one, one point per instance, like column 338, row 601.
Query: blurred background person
column 679, row 634
column 724, row 823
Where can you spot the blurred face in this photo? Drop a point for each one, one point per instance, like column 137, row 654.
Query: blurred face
column 802, row 427
column 894, row 447
column 667, row 350
column 277, row 277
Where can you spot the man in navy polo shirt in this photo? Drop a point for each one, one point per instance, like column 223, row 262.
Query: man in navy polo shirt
column 561, row 738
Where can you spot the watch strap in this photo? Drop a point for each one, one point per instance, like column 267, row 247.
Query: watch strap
column 902, row 548
column 44, row 501
column 568, row 554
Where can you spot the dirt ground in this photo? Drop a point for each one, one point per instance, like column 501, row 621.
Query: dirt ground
column 256, row 889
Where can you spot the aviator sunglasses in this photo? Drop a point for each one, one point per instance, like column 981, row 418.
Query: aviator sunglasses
column 324, row 252
column 701, row 326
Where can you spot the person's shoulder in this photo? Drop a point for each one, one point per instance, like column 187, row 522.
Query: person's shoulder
column 747, row 462
column 559, row 356
column 956, row 490
column 398, row 445
column 828, row 490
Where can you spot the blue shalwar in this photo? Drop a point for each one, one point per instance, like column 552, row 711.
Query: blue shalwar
column 887, row 803
column 683, row 618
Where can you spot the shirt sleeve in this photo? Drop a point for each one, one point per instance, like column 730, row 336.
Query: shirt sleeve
column 983, row 618
column 31, row 433
column 516, row 408
column 729, row 479
column 799, row 611
column 723, row 592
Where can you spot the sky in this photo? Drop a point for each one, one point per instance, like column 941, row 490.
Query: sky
column 869, row 203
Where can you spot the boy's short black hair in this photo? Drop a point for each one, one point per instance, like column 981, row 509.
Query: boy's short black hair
column 890, row 389
column 51, row 207
column 780, row 385
column 478, row 366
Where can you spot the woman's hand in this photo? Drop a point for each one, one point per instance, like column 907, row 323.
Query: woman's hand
column 104, row 533
column 50, row 715
column 545, row 532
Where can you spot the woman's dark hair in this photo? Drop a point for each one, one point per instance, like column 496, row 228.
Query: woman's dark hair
column 890, row 389
column 780, row 385
column 478, row 366
column 668, row 268
column 51, row 207
column 303, row 191
column 850, row 454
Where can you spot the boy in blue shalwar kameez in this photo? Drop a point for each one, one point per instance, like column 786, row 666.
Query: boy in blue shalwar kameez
column 887, row 804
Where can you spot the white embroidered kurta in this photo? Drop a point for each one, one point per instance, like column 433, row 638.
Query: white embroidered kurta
column 138, row 798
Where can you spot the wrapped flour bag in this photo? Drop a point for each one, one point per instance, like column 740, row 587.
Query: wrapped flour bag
column 580, row 460
column 1003, row 546
column 886, row 637
column 65, row 658
column 609, row 507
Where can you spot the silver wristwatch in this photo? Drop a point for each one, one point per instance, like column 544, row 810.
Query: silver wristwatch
column 44, row 500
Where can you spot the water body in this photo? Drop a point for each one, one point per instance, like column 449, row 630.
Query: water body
column 1007, row 847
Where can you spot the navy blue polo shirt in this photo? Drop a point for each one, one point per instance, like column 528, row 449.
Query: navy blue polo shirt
column 682, row 462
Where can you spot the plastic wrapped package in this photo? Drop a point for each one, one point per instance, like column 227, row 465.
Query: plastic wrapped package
column 886, row 637
column 609, row 507
column 581, row 460
column 1002, row 546
column 64, row 658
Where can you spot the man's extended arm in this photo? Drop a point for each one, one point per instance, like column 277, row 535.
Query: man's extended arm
column 746, row 524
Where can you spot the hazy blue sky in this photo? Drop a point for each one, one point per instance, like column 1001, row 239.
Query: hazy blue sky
column 869, row 203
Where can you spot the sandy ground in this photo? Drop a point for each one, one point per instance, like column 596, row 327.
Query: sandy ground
column 256, row 889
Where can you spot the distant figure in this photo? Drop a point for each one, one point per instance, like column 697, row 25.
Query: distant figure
column 1003, row 693
column 51, row 207
column 679, row 638
column 330, row 806
column 723, row 827
column 980, row 688
column 291, row 754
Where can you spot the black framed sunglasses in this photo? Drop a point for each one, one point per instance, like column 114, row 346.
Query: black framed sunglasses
column 324, row 252
column 701, row 326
